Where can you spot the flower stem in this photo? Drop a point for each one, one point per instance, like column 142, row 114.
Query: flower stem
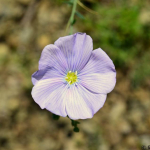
column 71, row 19
column 87, row 9
column 74, row 123
column 55, row 117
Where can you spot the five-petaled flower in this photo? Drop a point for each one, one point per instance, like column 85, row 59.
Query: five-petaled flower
column 73, row 79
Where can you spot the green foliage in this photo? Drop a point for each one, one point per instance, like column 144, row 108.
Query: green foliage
column 68, row 2
column 56, row 117
column 141, row 71
column 74, row 21
column 119, row 31
column 75, row 124
column 76, row 129
column 79, row 15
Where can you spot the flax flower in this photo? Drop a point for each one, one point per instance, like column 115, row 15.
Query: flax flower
column 73, row 79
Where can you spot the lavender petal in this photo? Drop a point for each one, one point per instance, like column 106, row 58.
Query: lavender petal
column 99, row 74
column 47, row 93
column 46, row 74
column 82, row 104
column 53, row 57
column 77, row 49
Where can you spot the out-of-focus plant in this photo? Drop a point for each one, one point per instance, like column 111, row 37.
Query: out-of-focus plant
column 124, row 36
column 73, row 80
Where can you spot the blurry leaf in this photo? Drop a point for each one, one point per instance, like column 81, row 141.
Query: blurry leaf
column 74, row 123
column 76, row 129
column 86, row 8
column 141, row 71
column 74, row 21
column 56, row 117
column 77, row 122
column 68, row 2
column 79, row 15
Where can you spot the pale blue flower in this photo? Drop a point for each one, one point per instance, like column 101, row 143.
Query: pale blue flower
column 72, row 79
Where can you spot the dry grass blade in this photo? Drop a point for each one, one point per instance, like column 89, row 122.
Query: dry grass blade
column 86, row 8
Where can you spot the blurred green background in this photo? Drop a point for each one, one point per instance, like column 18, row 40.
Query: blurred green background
column 121, row 28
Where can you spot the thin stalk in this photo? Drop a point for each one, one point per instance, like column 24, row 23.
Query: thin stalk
column 86, row 8
column 71, row 19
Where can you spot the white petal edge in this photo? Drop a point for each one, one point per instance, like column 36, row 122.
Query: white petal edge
column 82, row 104
column 47, row 92
column 99, row 83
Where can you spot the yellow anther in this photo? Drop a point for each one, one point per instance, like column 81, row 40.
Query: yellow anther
column 71, row 77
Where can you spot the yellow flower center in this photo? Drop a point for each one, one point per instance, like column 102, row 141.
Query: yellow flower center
column 71, row 77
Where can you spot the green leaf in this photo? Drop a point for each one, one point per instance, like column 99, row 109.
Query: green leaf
column 79, row 15
column 74, row 123
column 72, row 23
column 77, row 122
column 56, row 117
column 68, row 2
column 76, row 129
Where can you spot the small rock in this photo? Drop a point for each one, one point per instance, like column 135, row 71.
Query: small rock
column 4, row 50
column 142, row 127
column 13, row 104
column 43, row 40
column 117, row 111
column 114, row 137
column 145, row 139
column 123, row 126
column 13, row 40
column 135, row 116
column 25, row 2
column 131, row 140
column 144, row 17
column 88, row 126
column 9, row 9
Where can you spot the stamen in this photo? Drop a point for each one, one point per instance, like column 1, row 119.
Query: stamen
column 71, row 77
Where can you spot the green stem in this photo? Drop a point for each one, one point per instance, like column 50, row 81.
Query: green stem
column 71, row 19
column 74, row 123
